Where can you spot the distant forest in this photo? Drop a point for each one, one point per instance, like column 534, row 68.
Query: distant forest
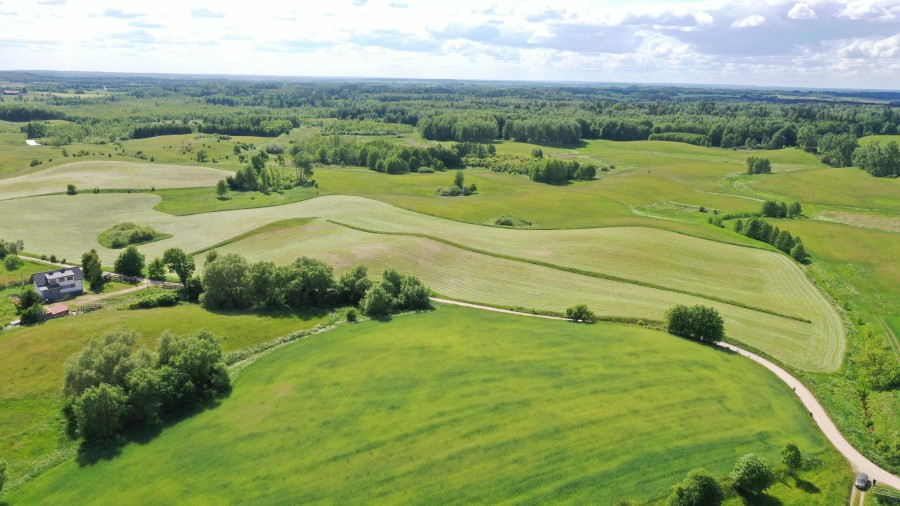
column 107, row 107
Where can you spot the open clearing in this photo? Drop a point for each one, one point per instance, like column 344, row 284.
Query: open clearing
column 422, row 409
column 88, row 175
column 675, row 265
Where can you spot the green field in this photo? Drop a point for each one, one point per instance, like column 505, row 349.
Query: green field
column 87, row 175
column 426, row 408
column 646, row 271
column 32, row 359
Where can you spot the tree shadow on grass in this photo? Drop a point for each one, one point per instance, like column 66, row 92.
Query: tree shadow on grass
column 89, row 455
column 761, row 500
column 806, row 486
column 303, row 314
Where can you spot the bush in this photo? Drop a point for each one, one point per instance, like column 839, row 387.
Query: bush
column 790, row 457
column 127, row 233
column 697, row 322
column 581, row 313
column 161, row 300
column 2, row 474
column 699, row 488
column 351, row 315
column 12, row 262
column 511, row 220
column 752, row 475
column 758, row 165
column 71, row 190
column 377, row 302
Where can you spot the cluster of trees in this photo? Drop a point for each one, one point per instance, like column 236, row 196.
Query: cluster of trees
column 837, row 150
column 230, row 282
column 247, row 123
column 10, row 247
column 30, row 306
column 390, row 158
column 112, row 385
column 130, row 262
column 758, row 165
column 581, row 313
column 29, row 112
column 93, row 270
column 556, row 171
column 459, row 127
column 685, row 137
column 750, row 477
column 128, row 233
column 548, row 131
column 773, row 209
column 697, row 322
column 761, row 230
column 164, row 128
column 260, row 175
column 878, row 160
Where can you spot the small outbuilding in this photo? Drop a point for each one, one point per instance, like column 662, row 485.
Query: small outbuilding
column 57, row 311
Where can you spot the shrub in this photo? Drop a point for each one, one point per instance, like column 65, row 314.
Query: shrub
column 581, row 313
column 790, row 457
column 377, row 302
column 12, row 262
column 2, row 474
column 511, row 220
column 351, row 315
column 752, row 475
column 699, row 488
column 127, row 233
column 71, row 190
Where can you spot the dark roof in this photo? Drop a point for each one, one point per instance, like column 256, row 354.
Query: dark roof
column 47, row 277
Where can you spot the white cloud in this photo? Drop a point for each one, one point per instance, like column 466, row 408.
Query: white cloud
column 852, row 43
column 802, row 10
column 862, row 48
column 750, row 22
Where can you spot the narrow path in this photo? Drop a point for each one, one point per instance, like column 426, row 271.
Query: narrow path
column 856, row 459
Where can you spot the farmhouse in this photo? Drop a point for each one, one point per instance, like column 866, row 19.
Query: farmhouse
column 59, row 284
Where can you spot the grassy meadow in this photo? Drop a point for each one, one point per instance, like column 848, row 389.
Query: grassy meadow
column 32, row 359
column 627, row 272
column 423, row 408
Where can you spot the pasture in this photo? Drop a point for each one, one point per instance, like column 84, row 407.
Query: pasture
column 423, row 408
column 32, row 360
column 636, row 272
column 105, row 175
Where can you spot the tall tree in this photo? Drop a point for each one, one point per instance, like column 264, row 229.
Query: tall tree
column 180, row 263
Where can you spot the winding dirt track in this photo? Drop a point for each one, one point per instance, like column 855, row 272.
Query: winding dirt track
column 856, row 459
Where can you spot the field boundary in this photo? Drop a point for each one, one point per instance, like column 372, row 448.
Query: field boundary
column 572, row 270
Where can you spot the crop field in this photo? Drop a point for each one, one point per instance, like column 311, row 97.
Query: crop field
column 31, row 363
column 466, row 275
column 674, row 265
column 423, row 408
column 87, row 175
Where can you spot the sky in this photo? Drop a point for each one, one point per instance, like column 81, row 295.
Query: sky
column 819, row 44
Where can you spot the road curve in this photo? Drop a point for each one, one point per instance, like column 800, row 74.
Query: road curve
column 856, row 459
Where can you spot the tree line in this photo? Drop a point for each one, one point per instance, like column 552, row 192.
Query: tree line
column 761, row 230
column 230, row 282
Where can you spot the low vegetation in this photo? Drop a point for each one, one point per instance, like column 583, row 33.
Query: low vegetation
column 395, row 380
column 127, row 234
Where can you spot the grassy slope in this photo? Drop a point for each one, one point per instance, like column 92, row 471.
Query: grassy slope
column 423, row 409
column 86, row 175
column 32, row 359
column 467, row 275
column 752, row 277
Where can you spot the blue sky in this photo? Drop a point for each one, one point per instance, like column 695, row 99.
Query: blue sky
column 842, row 44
